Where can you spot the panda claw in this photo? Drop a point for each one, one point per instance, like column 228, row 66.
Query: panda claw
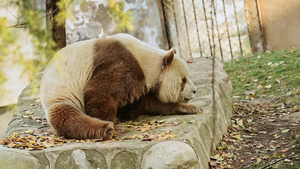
column 108, row 131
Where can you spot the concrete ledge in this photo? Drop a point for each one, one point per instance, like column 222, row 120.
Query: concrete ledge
column 189, row 149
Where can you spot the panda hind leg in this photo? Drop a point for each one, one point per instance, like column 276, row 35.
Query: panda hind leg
column 105, row 110
column 70, row 122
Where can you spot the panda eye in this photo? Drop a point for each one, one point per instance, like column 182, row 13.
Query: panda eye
column 183, row 84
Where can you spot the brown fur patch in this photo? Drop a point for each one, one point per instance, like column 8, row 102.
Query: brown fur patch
column 117, row 80
column 72, row 123
column 152, row 105
column 149, row 104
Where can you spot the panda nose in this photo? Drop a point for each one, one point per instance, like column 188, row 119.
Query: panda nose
column 194, row 91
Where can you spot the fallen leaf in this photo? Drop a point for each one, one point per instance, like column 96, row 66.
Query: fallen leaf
column 222, row 147
column 262, row 132
column 258, row 160
column 4, row 141
column 176, row 123
column 160, row 121
column 12, row 145
column 217, row 157
column 240, row 123
column 285, row 150
column 268, row 52
column 238, row 137
column 285, row 131
column 274, row 65
column 192, row 121
column 190, row 60
column 152, row 121
column 213, row 164
column 268, row 86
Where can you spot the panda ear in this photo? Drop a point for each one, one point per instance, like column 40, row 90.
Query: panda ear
column 173, row 49
column 168, row 57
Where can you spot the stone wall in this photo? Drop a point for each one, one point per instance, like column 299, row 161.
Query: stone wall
column 92, row 19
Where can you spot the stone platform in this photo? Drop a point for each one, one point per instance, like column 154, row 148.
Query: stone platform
column 189, row 149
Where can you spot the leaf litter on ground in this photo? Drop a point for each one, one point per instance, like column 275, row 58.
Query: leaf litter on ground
column 265, row 91
column 255, row 140
column 46, row 138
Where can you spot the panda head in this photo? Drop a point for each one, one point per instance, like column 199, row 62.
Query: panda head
column 174, row 83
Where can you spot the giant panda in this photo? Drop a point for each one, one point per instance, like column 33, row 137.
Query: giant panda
column 86, row 84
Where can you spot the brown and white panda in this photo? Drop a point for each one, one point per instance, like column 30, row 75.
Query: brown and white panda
column 86, row 83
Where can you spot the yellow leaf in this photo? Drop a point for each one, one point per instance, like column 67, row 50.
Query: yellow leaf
column 20, row 145
column 29, row 145
column 192, row 121
column 218, row 157
column 268, row 86
column 238, row 137
column 172, row 136
column 160, row 121
column 285, row 131
column 12, row 145
column 152, row 121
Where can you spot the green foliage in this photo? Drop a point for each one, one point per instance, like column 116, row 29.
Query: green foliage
column 7, row 47
column 274, row 74
column 26, row 20
column 33, row 21
column 66, row 12
column 123, row 19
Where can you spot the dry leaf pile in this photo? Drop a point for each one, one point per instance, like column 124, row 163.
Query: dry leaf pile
column 35, row 140
column 259, row 137
column 146, row 130
column 41, row 139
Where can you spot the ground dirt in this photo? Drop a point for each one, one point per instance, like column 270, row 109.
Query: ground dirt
column 262, row 135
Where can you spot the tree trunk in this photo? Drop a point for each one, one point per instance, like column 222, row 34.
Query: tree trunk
column 57, row 31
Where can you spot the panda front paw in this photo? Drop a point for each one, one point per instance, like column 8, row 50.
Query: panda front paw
column 187, row 109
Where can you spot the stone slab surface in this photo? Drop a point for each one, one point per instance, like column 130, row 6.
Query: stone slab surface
column 190, row 148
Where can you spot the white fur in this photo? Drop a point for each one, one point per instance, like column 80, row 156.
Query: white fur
column 65, row 88
column 151, row 61
column 149, row 58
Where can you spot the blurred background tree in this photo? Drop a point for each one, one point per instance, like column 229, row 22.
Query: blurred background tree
column 25, row 18
column 123, row 18
column 45, row 33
